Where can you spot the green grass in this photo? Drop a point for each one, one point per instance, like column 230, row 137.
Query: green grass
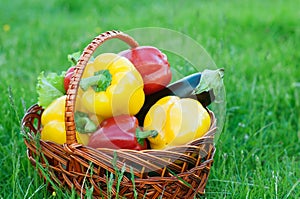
column 257, row 42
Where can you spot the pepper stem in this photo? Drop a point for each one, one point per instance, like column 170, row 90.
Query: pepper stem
column 84, row 124
column 141, row 135
column 99, row 82
column 91, row 81
column 73, row 58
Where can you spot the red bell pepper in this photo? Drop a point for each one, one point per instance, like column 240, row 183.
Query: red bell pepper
column 68, row 76
column 152, row 65
column 120, row 132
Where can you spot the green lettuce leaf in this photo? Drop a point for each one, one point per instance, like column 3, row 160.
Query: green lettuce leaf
column 49, row 88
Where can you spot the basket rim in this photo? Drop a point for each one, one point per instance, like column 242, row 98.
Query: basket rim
column 32, row 112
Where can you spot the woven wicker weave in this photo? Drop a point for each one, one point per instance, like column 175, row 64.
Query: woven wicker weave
column 178, row 172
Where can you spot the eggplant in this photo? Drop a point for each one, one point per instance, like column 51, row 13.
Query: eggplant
column 182, row 88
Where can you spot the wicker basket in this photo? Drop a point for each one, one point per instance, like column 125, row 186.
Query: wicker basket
column 178, row 172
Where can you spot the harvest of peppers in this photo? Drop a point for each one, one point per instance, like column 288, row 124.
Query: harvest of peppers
column 126, row 101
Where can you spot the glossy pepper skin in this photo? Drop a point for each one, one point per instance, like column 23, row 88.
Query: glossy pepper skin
column 152, row 65
column 53, row 123
column 111, row 86
column 177, row 120
column 182, row 88
column 120, row 132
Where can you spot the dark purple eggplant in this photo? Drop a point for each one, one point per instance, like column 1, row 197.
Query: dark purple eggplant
column 182, row 88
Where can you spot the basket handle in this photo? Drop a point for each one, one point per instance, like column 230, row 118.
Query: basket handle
column 79, row 68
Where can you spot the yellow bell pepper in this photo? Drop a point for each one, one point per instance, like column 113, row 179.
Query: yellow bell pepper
column 111, row 86
column 53, row 123
column 178, row 121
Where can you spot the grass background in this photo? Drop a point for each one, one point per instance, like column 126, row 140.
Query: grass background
column 257, row 42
